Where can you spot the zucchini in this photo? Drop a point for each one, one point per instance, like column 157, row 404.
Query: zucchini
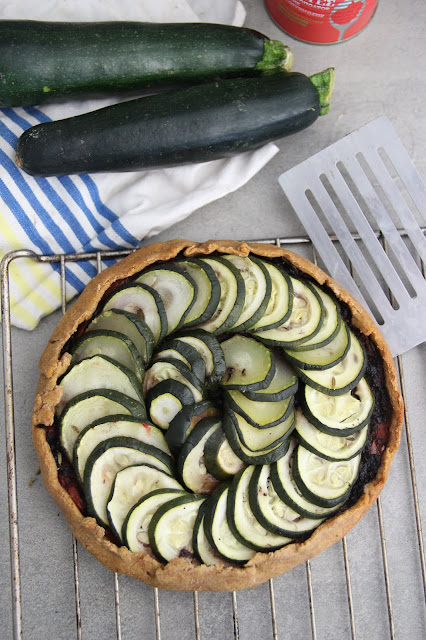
column 193, row 124
column 165, row 400
column 109, row 343
column 202, row 547
column 106, row 460
column 172, row 525
column 326, row 483
column 209, row 349
column 249, row 364
column 217, row 530
column 77, row 58
column 134, row 530
column 284, row 383
column 114, row 427
column 144, row 302
column 261, row 415
column 330, row 447
column 280, row 302
column 130, row 485
column 288, row 491
column 339, row 378
column 258, row 439
column 221, row 462
column 241, row 520
column 190, row 464
column 184, row 422
column 305, row 321
column 324, row 357
column 89, row 406
column 258, row 288
column 272, row 512
column 339, row 415
column 330, row 325
column 207, row 294
column 187, row 353
column 131, row 325
column 166, row 368
column 176, row 288
column 98, row 372
column 232, row 296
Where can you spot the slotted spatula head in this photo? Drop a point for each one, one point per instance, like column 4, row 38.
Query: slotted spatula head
column 363, row 204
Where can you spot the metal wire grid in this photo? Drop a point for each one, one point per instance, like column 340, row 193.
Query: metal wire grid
column 15, row 569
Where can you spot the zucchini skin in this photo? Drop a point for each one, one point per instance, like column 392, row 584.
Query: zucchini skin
column 41, row 61
column 192, row 124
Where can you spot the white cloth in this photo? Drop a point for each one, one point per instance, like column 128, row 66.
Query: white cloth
column 107, row 210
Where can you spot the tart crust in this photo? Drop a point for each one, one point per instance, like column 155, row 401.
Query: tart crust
column 183, row 574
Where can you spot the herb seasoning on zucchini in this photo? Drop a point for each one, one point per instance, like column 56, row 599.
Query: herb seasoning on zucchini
column 193, row 124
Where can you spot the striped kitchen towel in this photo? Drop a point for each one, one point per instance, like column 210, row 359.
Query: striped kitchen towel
column 80, row 213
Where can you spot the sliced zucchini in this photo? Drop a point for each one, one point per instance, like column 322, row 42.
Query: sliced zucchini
column 134, row 529
column 219, row 458
column 168, row 368
column 209, row 349
column 272, row 512
column 288, row 491
column 109, row 343
column 98, row 372
column 171, row 528
column 256, row 439
column 184, row 422
column 249, row 364
column 280, row 303
column 304, row 322
column 330, row 325
column 324, row 357
column 324, row 482
column 232, row 296
column 190, row 464
column 90, row 406
column 144, row 302
column 176, row 288
column 341, row 377
column 328, row 446
column 180, row 350
column 258, row 286
column 262, row 456
column 202, row 547
column 166, row 399
column 130, row 485
column 339, row 415
column 207, row 294
column 241, row 520
column 131, row 325
column 284, row 383
column 114, row 427
column 261, row 415
column 106, row 460
column 217, row 529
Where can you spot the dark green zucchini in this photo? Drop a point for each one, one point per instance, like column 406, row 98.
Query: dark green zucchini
column 42, row 61
column 192, row 124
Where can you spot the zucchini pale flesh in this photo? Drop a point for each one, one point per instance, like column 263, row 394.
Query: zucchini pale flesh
column 193, row 124
column 83, row 58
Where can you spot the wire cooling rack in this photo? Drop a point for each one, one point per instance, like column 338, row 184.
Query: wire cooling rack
column 371, row 585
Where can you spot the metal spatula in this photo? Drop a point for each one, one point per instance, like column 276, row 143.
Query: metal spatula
column 361, row 199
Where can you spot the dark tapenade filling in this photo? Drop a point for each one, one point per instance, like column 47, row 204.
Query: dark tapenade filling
column 378, row 426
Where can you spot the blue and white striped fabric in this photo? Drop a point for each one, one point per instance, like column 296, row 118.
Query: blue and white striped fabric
column 93, row 212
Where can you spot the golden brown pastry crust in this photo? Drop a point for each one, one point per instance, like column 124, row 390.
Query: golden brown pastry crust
column 183, row 574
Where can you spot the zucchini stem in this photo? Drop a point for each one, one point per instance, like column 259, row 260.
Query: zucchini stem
column 276, row 55
column 324, row 84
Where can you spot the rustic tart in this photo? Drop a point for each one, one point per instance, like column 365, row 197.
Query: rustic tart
column 210, row 415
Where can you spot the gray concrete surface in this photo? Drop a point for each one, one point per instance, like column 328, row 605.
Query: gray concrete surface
column 379, row 72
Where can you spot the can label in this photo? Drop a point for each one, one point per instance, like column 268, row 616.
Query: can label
column 322, row 21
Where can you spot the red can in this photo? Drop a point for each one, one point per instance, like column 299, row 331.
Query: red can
column 322, row 21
